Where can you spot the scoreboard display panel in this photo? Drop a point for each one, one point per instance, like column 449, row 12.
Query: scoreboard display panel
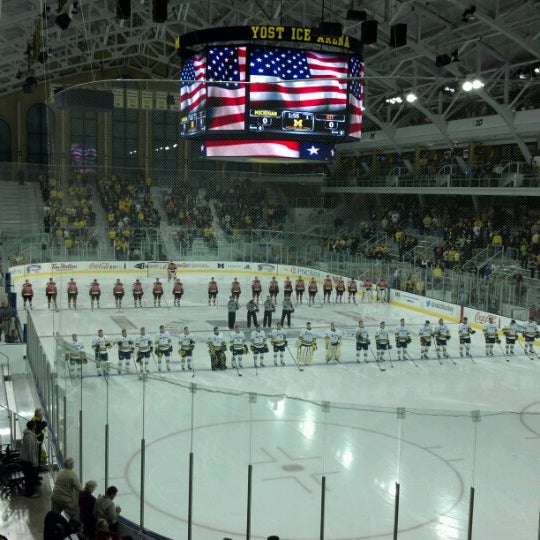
column 297, row 122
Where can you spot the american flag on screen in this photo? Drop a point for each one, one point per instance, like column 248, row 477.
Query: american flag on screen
column 227, row 99
column 192, row 92
column 249, row 148
column 297, row 79
column 356, row 96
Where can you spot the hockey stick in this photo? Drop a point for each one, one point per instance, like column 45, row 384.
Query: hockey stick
column 235, row 363
column 236, row 366
column 406, row 353
column 438, row 351
column 468, row 355
column 390, row 356
column 294, row 359
column 503, row 351
column 376, row 361
column 155, row 361
column 139, row 369
column 446, row 355
column 524, row 350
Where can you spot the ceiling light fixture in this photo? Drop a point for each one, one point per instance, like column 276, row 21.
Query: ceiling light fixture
column 474, row 84
column 411, row 97
column 448, row 89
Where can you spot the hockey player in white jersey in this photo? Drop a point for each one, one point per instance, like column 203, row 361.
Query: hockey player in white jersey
column 258, row 345
column 442, row 335
column 382, row 341
column 464, row 332
column 186, row 344
column 163, row 344
column 101, row 345
column 332, row 340
column 306, row 345
column 143, row 342
column 75, row 355
column 490, row 335
column 125, row 350
column 278, row 337
column 530, row 333
column 238, row 347
column 403, row 338
column 426, row 336
column 511, row 333
column 362, row 341
column 217, row 347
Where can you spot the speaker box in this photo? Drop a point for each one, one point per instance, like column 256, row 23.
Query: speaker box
column 123, row 9
column 82, row 100
column 442, row 60
column 331, row 29
column 369, row 32
column 356, row 15
column 159, row 10
column 63, row 20
column 398, row 35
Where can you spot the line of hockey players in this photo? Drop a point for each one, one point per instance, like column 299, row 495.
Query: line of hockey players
column 367, row 290
column 336, row 288
column 138, row 349
column 439, row 335
column 143, row 347
column 94, row 292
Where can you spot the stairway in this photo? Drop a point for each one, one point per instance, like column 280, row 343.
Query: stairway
column 21, row 207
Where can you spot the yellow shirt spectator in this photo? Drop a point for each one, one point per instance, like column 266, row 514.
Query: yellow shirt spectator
column 437, row 273
column 496, row 240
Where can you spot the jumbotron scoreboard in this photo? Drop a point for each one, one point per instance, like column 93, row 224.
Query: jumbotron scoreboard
column 254, row 90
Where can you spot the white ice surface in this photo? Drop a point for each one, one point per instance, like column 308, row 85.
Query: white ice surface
column 435, row 452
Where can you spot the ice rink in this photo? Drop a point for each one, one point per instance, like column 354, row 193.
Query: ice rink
column 340, row 421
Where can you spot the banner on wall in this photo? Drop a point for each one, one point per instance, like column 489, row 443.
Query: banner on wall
column 147, row 100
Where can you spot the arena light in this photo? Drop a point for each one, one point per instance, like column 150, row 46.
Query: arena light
column 474, row 84
column 448, row 89
column 395, row 100
column 477, row 84
column 411, row 97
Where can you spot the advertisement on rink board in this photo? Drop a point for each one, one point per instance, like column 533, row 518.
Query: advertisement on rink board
column 297, row 271
column 425, row 305
column 479, row 318
column 135, row 267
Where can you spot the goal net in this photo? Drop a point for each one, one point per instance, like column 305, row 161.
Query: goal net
column 157, row 269
column 520, row 314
